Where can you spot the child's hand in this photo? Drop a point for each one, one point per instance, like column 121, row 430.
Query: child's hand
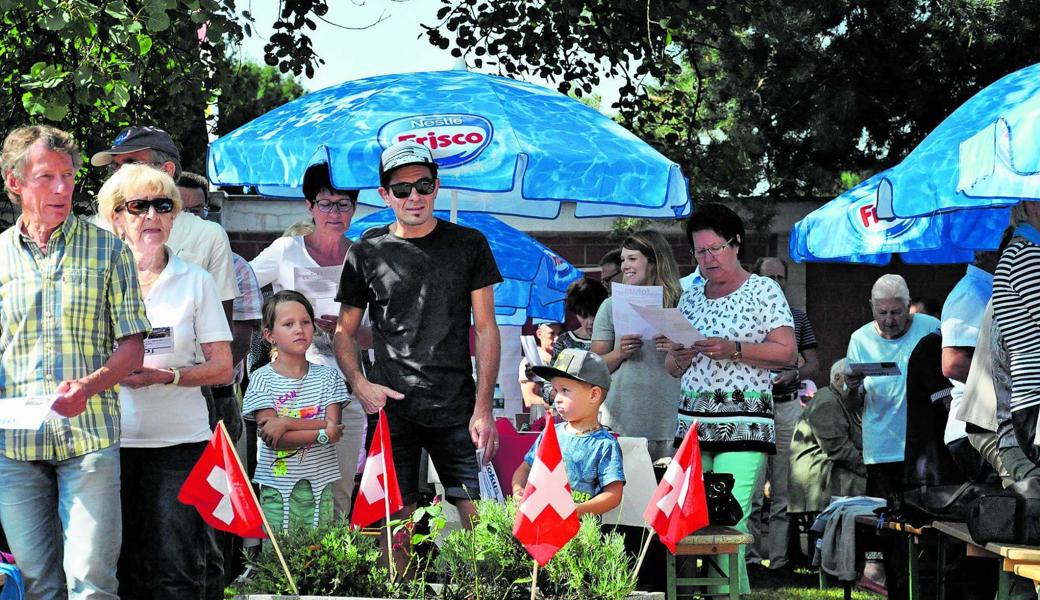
column 518, row 493
column 334, row 431
column 272, row 430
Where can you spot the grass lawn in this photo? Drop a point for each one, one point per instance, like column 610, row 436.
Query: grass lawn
column 793, row 593
column 802, row 584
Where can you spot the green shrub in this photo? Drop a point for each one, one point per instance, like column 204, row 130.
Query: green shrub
column 592, row 566
column 488, row 563
column 334, row 561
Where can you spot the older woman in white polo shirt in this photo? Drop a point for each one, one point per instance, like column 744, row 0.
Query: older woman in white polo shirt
column 165, row 424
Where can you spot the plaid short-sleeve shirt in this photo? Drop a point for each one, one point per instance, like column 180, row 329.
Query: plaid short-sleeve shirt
column 60, row 316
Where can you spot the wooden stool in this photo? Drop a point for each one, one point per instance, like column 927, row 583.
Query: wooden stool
column 708, row 543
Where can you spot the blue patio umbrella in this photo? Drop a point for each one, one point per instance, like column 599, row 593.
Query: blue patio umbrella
column 535, row 278
column 503, row 146
column 847, row 229
column 985, row 154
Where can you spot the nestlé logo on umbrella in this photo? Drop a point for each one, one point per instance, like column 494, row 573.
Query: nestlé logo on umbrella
column 864, row 217
column 454, row 139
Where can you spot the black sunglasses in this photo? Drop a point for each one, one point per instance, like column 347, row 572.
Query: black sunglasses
column 424, row 186
column 140, row 207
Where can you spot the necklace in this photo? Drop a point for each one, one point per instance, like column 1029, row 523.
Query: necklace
column 587, row 431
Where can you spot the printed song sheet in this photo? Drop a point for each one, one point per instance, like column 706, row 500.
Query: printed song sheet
column 25, row 412
column 319, row 285
column 670, row 323
column 626, row 320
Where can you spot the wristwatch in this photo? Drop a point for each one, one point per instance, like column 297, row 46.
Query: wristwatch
column 176, row 375
column 323, row 438
column 737, row 354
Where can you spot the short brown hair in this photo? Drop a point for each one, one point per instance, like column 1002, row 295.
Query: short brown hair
column 18, row 143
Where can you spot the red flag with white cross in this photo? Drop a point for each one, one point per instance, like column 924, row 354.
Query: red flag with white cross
column 218, row 488
column 546, row 519
column 679, row 506
column 379, row 494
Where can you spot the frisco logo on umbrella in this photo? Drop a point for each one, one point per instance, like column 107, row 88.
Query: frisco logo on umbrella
column 454, row 139
column 864, row 216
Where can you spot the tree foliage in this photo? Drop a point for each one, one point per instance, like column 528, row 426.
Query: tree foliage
column 92, row 67
column 767, row 97
column 250, row 91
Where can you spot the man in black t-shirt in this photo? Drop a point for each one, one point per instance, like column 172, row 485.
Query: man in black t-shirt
column 421, row 278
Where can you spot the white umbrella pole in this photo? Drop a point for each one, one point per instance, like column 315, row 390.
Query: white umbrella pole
column 454, row 214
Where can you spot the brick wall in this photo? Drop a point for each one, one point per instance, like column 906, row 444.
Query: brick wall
column 837, row 299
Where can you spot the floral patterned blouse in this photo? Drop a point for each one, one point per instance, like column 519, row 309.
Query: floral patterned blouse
column 731, row 401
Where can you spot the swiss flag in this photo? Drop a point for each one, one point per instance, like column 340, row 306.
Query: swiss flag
column 217, row 487
column 546, row 520
column 679, row 505
column 379, row 493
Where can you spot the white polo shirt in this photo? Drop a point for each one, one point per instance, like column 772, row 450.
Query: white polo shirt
column 206, row 244
column 184, row 310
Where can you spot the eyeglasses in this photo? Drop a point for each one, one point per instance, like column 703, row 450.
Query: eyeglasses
column 201, row 211
column 712, row 250
column 326, row 206
column 137, row 208
column 114, row 166
column 424, row 186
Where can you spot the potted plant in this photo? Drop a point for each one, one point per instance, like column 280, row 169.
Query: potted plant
column 483, row 563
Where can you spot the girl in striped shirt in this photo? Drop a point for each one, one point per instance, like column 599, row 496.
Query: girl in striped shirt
column 297, row 407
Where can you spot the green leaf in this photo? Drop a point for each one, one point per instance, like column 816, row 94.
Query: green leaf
column 56, row 111
column 116, row 10
column 120, row 94
column 54, row 20
column 158, row 21
column 144, row 44
column 31, row 104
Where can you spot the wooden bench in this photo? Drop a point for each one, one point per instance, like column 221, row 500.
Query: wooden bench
column 1029, row 572
column 709, row 543
column 916, row 538
column 1011, row 558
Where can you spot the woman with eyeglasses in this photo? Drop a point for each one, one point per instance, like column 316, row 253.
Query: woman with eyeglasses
column 321, row 251
column 726, row 384
column 164, row 420
column 643, row 399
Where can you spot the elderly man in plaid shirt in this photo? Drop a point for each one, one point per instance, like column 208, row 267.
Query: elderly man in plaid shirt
column 72, row 323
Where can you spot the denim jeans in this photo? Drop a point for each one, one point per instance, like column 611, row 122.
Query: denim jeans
column 63, row 522
column 164, row 541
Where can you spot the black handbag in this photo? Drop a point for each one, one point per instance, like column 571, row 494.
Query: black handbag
column 1008, row 517
column 723, row 508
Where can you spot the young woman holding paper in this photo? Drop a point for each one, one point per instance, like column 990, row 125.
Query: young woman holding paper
column 643, row 398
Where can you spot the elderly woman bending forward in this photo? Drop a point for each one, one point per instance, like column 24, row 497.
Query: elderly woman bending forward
column 165, row 424
column 726, row 386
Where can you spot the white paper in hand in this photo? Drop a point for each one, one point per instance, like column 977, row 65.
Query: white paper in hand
column 319, row 285
column 25, row 412
column 529, row 345
column 624, row 297
column 670, row 323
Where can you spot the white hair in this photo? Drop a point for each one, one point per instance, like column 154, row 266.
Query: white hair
column 839, row 368
column 890, row 286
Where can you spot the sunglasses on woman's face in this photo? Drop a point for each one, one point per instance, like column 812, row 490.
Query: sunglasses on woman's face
column 137, row 208
column 402, row 190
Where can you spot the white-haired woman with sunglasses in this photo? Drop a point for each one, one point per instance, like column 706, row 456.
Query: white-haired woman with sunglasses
column 319, row 254
column 165, row 423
